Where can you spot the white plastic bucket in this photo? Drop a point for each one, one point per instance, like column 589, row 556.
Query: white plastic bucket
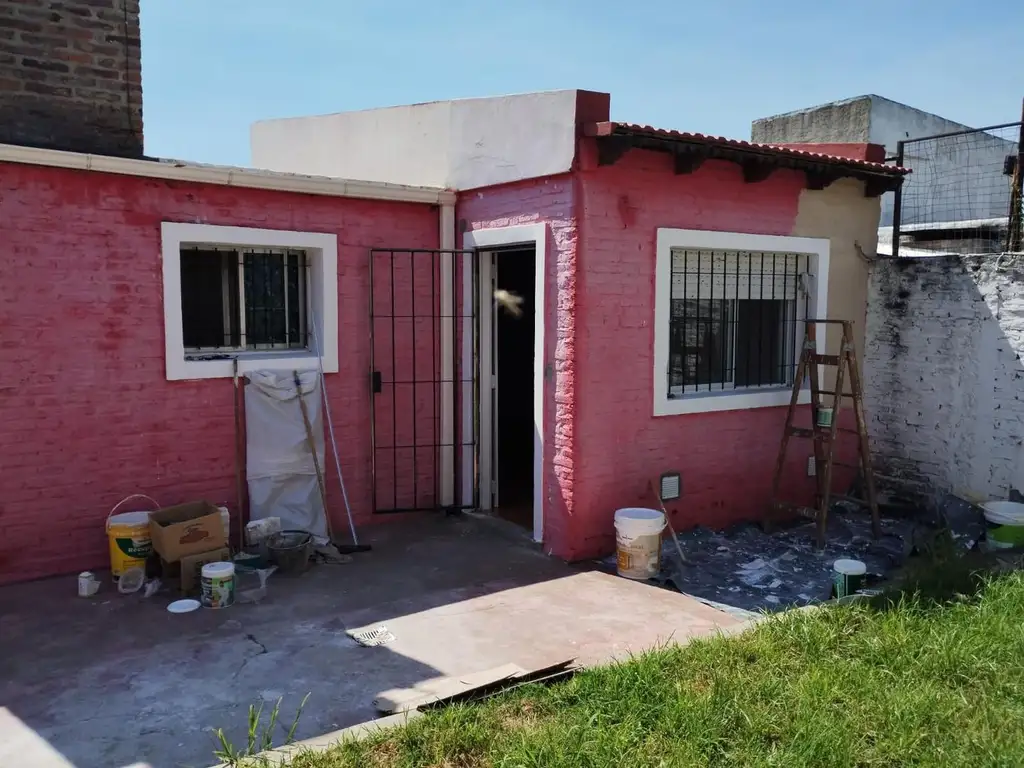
column 1005, row 522
column 848, row 576
column 638, row 542
column 218, row 585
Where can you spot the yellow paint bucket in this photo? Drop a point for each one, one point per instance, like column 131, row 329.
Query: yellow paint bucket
column 128, row 537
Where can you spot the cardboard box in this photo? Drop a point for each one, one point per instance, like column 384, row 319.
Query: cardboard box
column 192, row 568
column 186, row 529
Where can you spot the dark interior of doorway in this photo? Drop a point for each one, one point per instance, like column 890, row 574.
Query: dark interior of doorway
column 514, row 343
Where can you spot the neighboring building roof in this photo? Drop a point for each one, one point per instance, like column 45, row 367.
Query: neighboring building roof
column 757, row 159
column 226, row 175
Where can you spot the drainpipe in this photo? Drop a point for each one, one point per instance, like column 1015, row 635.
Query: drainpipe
column 448, row 400
column 447, row 223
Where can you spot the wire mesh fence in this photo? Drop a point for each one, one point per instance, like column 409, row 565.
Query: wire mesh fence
column 964, row 195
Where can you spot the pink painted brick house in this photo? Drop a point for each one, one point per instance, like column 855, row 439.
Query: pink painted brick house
column 663, row 276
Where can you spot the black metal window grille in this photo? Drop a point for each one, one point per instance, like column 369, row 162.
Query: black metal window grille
column 243, row 299
column 734, row 320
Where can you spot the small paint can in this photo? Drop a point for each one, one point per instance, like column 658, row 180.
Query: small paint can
column 88, row 584
column 823, row 418
column 218, row 585
column 847, row 577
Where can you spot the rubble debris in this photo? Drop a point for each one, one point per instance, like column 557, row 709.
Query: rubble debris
column 746, row 571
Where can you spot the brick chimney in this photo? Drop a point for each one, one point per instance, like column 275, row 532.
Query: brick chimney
column 71, row 75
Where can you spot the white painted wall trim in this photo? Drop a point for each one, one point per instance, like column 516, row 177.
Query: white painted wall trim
column 667, row 239
column 500, row 237
column 226, row 175
column 323, row 298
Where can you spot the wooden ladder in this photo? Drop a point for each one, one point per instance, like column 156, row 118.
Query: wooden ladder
column 824, row 437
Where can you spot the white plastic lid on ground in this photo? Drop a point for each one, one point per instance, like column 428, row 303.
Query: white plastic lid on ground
column 183, row 606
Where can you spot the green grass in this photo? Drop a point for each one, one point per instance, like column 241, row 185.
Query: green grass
column 907, row 682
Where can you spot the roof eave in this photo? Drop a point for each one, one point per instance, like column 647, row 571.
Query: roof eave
column 231, row 176
column 757, row 161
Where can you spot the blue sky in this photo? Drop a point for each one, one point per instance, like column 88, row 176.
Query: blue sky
column 212, row 67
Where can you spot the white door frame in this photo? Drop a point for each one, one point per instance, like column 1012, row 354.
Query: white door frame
column 480, row 240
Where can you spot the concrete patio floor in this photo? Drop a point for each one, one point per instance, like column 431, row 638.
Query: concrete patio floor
column 116, row 680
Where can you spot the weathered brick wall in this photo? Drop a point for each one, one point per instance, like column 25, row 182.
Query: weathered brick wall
column 86, row 411
column 727, row 459
column 554, row 201
column 71, row 75
column 944, row 381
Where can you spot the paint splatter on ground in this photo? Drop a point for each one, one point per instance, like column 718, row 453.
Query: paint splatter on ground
column 746, row 571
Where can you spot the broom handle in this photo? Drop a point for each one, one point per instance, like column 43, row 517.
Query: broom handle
column 312, row 449
column 239, row 492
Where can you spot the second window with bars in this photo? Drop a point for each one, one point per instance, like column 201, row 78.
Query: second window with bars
column 734, row 320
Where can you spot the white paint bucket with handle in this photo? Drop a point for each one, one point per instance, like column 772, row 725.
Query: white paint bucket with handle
column 638, row 542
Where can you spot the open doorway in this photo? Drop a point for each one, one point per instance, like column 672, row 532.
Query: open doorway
column 514, row 271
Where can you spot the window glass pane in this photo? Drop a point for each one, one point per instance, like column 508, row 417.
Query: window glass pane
column 760, row 349
column 700, row 344
column 208, row 299
column 264, row 300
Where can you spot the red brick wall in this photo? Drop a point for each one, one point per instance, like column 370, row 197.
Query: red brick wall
column 554, row 201
column 726, row 458
column 88, row 416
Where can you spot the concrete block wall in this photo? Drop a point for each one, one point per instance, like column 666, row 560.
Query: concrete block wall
column 87, row 412
column 944, row 381
column 71, row 75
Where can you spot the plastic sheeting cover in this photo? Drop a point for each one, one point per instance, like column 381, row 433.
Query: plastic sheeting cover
column 279, row 465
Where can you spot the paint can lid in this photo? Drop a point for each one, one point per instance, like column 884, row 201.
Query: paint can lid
column 218, row 570
column 85, row 575
column 129, row 518
column 850, row 567
column 183, row 606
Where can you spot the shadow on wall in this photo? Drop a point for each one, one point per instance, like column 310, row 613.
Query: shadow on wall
column 944, row 381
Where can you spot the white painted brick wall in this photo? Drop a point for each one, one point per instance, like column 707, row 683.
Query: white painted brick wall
column 944, row 382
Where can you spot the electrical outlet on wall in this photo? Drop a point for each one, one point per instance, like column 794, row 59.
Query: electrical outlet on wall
column 812, row 470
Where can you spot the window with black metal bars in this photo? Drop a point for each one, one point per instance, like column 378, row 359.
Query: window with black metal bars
column 735, row 320
column 243, row 299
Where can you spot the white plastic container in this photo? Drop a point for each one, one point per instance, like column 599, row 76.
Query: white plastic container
column 1005, row 523
column 638, row 542
column 88, row 584
column 225, row 517
column 218, row 585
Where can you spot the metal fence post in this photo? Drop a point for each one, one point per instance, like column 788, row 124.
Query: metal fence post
column 1015, row 219
column 897, row 204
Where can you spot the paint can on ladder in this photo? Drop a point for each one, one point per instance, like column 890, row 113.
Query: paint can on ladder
column 128, row 536
column 638, row 542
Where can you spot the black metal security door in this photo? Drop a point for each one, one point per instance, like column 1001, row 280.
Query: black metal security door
column 424, row 362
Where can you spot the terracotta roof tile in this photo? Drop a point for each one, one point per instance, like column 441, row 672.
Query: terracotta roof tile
column 613, row 128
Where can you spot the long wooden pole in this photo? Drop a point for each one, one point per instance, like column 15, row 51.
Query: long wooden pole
column 312, row 449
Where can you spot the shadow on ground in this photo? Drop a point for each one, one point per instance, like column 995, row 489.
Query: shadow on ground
column 117, row 680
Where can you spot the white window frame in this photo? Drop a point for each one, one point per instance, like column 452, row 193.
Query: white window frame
column 817, row 249
column 322, row 298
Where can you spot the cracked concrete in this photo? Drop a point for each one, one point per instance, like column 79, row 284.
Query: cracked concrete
column 115, row 680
